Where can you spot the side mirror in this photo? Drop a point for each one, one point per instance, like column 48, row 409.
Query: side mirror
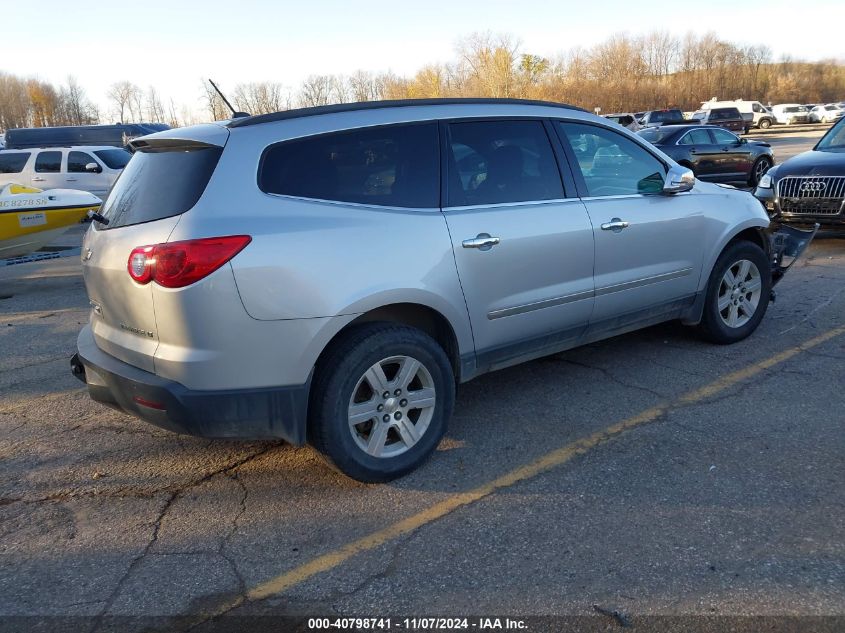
column 743, row 141
column 678, row 180
column 93, row 168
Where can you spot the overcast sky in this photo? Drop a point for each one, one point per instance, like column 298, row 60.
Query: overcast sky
column 173, row 44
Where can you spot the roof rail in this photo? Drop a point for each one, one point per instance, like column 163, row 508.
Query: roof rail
column 397, row 103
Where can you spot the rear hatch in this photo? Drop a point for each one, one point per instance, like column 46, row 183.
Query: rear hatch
column 165, row 178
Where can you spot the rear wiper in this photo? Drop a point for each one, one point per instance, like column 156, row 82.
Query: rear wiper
column 98, row 218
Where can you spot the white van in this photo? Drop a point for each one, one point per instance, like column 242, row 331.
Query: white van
column 789, row 113
column 754, row 112
column 88, row 168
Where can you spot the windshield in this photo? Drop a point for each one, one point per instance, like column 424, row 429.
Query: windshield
column 834, row 140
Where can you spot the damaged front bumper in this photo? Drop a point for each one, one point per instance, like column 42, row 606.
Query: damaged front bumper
column 787, row 243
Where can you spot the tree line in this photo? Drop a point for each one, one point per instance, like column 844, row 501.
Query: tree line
column 622, row 73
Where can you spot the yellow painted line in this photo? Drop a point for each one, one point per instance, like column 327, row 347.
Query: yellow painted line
column 550, row 460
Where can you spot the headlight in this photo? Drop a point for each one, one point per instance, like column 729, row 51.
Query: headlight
column 765, row 182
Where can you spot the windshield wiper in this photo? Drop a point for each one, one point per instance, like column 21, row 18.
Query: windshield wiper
column 98, row 218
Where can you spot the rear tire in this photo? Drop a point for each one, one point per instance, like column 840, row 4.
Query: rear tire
column 738, row 294
column 760, row 167
column 376, row 374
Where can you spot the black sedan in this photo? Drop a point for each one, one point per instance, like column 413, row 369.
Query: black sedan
column 713, row 153
column 809, row 188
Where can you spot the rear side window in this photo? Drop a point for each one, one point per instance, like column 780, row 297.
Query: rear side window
column 495, row 162
column 395, row 165
column 48, row 163
column 76, row 161
column 114, row 158
column 13, row 163
column 159, row 184
column 696, row 137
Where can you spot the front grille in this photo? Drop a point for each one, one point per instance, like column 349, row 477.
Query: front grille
column 811, row 195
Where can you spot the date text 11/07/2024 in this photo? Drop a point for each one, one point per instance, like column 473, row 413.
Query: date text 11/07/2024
column 417, row 624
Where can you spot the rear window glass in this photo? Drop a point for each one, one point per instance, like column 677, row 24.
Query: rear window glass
column 114, row 158
column 396, row 165
column 654, row 134
column 159, row 184
column 48, row 162
column 725, row 113
column 13, row 163
column 666, row 115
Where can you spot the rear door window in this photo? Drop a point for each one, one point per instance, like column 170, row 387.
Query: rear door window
column 696, row 137
column 495, row 162
column 13, row 163
column 48, row 162
column 160, row 183
column 393, row 165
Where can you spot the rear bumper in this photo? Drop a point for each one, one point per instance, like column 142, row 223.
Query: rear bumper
column 267, row 412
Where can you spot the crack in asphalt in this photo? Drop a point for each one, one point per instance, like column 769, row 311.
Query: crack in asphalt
column 172, row 497
column 610, row 376
column 242, row 587
column 134, row 563
column 818, row 307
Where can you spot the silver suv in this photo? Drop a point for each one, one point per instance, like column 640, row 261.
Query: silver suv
column 330, row 274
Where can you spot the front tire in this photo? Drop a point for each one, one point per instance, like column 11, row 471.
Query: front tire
column 738, row 294
column 765, row 124
column 760, row 167
column 381, row 401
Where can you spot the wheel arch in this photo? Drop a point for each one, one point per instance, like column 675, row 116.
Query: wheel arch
column 420, row 316
column 753, row 231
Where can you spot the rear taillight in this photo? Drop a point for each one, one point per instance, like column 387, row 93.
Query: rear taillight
column 179, row 264
column 140, row 264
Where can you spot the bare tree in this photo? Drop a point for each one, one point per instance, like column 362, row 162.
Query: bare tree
column 214, row 105
column 316, row 90
column 124, row 96
column 154, row 110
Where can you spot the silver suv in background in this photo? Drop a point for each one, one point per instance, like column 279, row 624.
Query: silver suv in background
column 330, row 274
column 87, row 168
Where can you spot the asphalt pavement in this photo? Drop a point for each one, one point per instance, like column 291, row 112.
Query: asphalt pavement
column 644, row 481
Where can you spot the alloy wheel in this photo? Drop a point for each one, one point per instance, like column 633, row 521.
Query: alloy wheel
column 391, row 406
column 760, row 168
column 739, row 293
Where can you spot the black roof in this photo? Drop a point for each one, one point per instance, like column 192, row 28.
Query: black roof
column 396, row 103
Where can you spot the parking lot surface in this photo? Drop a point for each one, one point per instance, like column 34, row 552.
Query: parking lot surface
column 648, row 475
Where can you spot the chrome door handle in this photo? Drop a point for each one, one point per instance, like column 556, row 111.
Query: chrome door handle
column 482, row 241
column 71, row 179
column 615, row 225
column 37, row 179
